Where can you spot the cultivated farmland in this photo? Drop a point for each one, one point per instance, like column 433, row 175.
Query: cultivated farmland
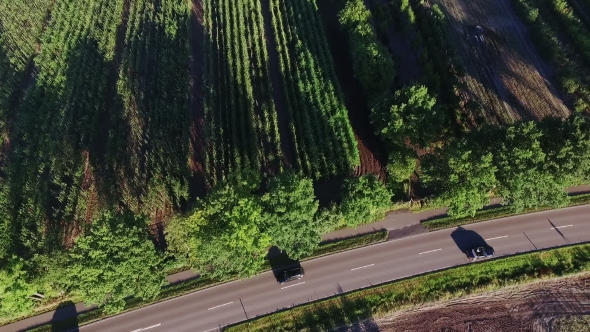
column 504, row 72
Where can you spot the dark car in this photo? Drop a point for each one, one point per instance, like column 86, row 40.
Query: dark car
column 290, row 275
column 480, row 252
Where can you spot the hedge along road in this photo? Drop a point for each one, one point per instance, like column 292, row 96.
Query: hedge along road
column 213, row 308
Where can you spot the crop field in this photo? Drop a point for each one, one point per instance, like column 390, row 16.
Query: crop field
column 504, row 73
column 145, row 105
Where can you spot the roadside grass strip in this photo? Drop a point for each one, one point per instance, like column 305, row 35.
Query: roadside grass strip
column 494, row 213
column 348, row 308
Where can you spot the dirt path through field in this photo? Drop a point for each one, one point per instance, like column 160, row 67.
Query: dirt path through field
column 277, row 92
column 197, row 127
column 531, row 307
column 505, row 73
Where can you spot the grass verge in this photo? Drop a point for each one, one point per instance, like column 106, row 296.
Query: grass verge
column 494, row 213
column 455, row 282
column 192, row 285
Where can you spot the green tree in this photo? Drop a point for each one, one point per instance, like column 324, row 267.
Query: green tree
column 115, row 259
column 401, row 164
column 371, row 62
column 524, row 180
column 16, row 289
column 224, row 235
column 365, row 199
column 566, row 144
column 464, row 174
column 411, row 113
column 290, row 206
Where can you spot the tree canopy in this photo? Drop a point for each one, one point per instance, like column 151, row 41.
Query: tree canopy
column 528, row 164
column 371, row 62
column 365, row 199
column 290, row 206
column 113, row 260
column 15, row 289
column 224, row 235
column 411, row 113
column 464, row 175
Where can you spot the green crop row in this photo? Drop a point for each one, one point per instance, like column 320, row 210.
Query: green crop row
column 242, row 130
column 320, row 129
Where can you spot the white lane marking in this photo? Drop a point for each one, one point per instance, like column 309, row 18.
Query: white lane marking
column 147, row 328
column 561, row 227
column 497, row 237
column 293, row 285
column 430, row 251
column 220, row 306
column 362, row 267
column 217, row 328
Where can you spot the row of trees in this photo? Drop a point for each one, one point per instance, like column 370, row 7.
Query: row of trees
column 528, row 164
column 242, row 129
column 230, row 231
column 372, row 64
column 227, row 234
column 548, row 21
column 113, row 260
column 320, row 129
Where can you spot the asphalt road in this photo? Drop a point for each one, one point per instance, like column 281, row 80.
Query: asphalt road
column 212, row 308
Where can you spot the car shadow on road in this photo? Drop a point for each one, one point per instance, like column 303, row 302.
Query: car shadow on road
column 466, row 239
column 279, row 261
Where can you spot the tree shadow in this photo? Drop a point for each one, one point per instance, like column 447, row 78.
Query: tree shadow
column 466, row 239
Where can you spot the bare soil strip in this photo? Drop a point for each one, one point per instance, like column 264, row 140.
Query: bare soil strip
column 505, row 73
column 532, row 307
column 277, row 93
column 197, row 127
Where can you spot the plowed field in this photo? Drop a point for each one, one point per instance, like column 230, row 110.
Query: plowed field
column 505, row 74
column 538, row 307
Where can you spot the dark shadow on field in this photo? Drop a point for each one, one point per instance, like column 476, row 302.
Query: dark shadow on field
column 466, row 239
column 197, row 184
column 149, row 146
column 65, row 318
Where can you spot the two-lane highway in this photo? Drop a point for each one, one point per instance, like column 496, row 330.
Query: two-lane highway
column 212, row 308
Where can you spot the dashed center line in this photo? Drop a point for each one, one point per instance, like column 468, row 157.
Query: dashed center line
column 293, row 285
column 221, row 305
column 430, row 251
column 362, row 267
column 497, row 237
column 147, row 328
column 561, row 227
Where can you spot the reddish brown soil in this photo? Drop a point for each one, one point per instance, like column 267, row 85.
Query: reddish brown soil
column 158, row 222
column 369, row 164
column 277, row 93
column 524, row 308
column 197, row 129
